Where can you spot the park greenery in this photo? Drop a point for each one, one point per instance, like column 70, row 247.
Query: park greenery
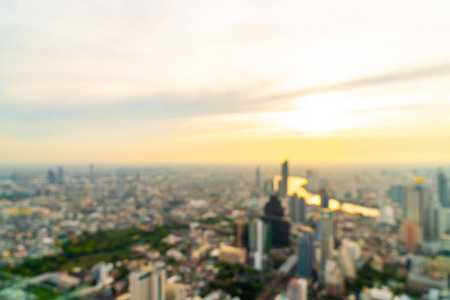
column 89, row 249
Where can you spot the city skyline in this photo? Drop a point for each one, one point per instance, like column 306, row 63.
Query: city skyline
column 112, row 86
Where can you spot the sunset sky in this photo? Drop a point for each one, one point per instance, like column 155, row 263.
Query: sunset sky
column 317, row 81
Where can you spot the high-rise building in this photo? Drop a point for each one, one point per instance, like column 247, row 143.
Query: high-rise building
column 346, row 264
column 353, row 249
column 324, row 201
column 260, row 243
column 311, row 235
column 297, row 208
column 304, row 255
column 51, row 177
column 61, row 175
column 283, row 188
column 334, row 279
column 418, row 200
column 297, row 289
column 258, row 178
column 268, row 187
column 327, row 235
column 397, row 194
column 274, row 214
column 148, row 283
column 410, row 233
column 232, row 255
column 443, row 189
column 241, row 233
column 177, row 291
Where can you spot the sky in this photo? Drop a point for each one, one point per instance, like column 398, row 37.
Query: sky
column 314, row 81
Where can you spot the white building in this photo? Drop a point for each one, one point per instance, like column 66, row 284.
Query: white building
column 148, row 283
column 297, row 289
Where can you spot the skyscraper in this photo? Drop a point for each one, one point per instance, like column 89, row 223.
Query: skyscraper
column 260, row 243
column 148, row 283
column 60, row 175
column 443, row 189
column 283, row 188
column 274, row 214
column 304, row 255
column 324, row 201
column 297, row 289
column 418, row 200
column 241, row 233
column 327, row 235
column 397, row 194
column 268, row 187
column 297, row 208
column 51, row 177
column 311, row 235
column 258, row 178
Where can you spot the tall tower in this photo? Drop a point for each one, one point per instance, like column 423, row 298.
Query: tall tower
column 442, row 189
column 327, row 235
column 304, row 255
column 148, row 283
column 258, row 178
column 61, row 175
column 324, row 201
column 417, row 207
column 283, row 189
column 260, row 242
column 297, row 208
column 297, row 289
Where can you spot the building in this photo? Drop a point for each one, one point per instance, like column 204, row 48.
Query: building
column 417, row 206
column 177, row 291
column 304, row 255
column 311, row 235
column 258, row 178
column 346, row 264
column 60, row 175
column 268, row 187
column 51, row 177
column 334, row 280
column 353, row 249
column 201, row 252
column 274, row 214
column 397, row 193
column 411, row 235
column 241, row 233
column 232, row 255
column 148, row 283
column 443, row 189
column 387, row 215
column 327, row 235
column 324, row 201
column 297, row 289
column 297, row 208
column 283, row 188
column 260, row 243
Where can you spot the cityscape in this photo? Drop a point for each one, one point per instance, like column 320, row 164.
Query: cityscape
column 224, row 232
column 224, row 150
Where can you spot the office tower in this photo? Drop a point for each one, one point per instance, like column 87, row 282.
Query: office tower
column 297, row 208
column 297, row 289
column 268, row 187
column 91, row 172
column 417, row 200
column 382, row 199
column 60, row 175
column 177, row 291
column 387, row 215
column 324, row 201
column 353, row 249
column 327, row 235
column 311, row 235
column 258, row 178
column 260, row 243
column 51, row 177
column 304, row 255
column 334, row 279
column 444, row 220
column 397, row 194
column 346, row 264
column 411, row 235
column 283, row 189
column 442, row 189
column 434, row 219
column 241, row 233
column 148, row 283
column 274, row 214
column 232, row 255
